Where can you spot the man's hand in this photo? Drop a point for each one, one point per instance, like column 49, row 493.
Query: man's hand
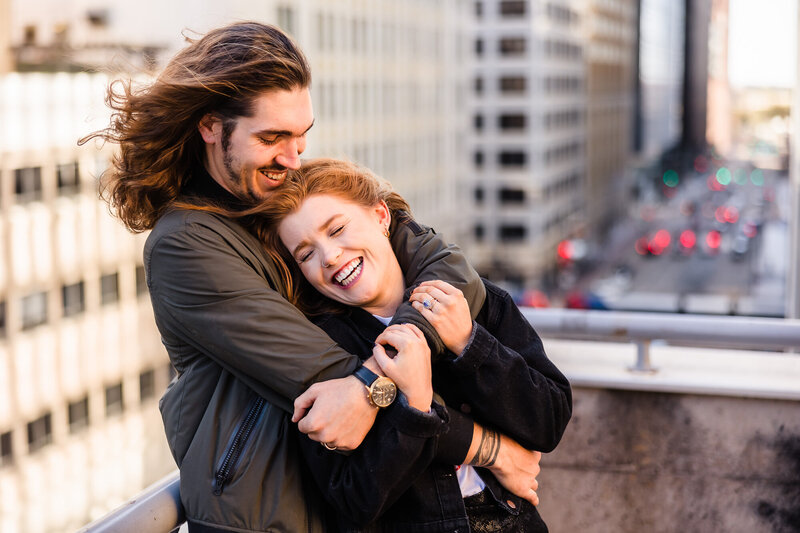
column 335, row 412
column 514, row 467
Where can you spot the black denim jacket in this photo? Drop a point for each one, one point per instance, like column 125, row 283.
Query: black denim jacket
column 402, row 477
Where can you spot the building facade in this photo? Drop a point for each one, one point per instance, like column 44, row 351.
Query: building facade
column 528, row 138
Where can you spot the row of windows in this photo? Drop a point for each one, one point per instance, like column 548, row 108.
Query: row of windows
column 505, row 121
column 505, row 233
column 34, row 308
column 562, row 153
column 506, row 85
column 561, row 14
column 345, row 100
column 506, row 8
column 509, row 159
column 563, row 119
column 562, row 49
column 507, row 46
column 28, row 182
column 40, row 430
column 569, row 183
column 506, row 195
column 563, row 84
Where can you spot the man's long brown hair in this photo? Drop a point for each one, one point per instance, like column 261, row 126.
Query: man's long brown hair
column 156, row 126
column 335, row 177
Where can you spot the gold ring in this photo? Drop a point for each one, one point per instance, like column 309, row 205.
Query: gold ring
column 329, row 446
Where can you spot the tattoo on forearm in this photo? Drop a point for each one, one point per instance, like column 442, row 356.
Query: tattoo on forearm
column 487, row 449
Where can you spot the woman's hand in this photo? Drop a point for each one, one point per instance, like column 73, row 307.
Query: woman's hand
column 514, row 467
column 447, row 310
column 410, row 369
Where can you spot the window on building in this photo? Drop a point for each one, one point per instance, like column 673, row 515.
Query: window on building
column 72, row 299
column 6, row 450
column 78, row 413
column 478, row 85
column 512, row 46
column 512, row 159
column 29, row 36
column 147, row 385
column 109, row 288
column 477, row 157
column 286, row 19
column 34, row 310
column 477, row 122
column 479, row 9
column 114, row 404
column 28, row 184
column 141, row 281
column 478, row 47
column 98, row 17
column 514, row 121
column 68, row 178
column 40, row 432
column 479, row 232
column 478, row 195
column 511, row 196
column 512, row 8
column 512, row 84
column 512, row 232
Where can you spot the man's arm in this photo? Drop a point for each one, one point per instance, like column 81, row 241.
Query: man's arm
column 211, row 298
column 424, row 256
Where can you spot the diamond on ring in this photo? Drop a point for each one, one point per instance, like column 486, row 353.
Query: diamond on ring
column 427, row 304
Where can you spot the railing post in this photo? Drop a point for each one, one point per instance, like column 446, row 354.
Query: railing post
column 643, row 364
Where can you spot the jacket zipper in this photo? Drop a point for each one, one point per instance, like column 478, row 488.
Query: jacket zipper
column 225, row 469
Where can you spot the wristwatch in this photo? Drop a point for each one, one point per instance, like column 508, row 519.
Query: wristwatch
column 381, row 390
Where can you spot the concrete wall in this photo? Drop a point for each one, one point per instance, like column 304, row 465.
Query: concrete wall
column 634, row 461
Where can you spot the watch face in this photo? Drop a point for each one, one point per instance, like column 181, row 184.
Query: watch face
column 383, row 392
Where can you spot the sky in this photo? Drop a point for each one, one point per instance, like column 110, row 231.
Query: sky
column 763, row 43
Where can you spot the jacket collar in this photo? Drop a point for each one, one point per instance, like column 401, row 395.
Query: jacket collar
column 203, row 188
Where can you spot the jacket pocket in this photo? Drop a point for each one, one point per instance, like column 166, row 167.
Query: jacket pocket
column 230, row 459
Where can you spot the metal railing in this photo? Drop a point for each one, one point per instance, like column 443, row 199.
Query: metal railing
column 158, row 509
column 737, row 332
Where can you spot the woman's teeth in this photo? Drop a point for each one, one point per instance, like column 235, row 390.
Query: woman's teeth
column 350, row 272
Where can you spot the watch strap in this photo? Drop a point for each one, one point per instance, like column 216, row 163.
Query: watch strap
column 365, row 375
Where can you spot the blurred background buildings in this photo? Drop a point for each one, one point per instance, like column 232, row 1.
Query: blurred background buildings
column 585, row 153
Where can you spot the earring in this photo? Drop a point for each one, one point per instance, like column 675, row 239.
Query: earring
column 386, row 232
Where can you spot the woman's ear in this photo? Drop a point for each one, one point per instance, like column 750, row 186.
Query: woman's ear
column 384, row 216
column 210, row 127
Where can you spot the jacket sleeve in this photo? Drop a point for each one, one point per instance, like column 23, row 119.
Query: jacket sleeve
column 208, row 291
column 508, row 381
column 425, row 256
column 400, row 446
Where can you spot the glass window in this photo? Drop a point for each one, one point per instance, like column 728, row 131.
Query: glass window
column 114, row 404
column 512, row 196
column 109, row 288
column 40, row 433
column 6, row 450
column 512, row 232
column 478, row 231
column 516, row 121
column 34, row 310
column 286, row 19
column 68, row 178
column 478, row 85
column 477, row 121
column 512, row 84
column 72, row 297
column 478, row 158
column 512, row 8
column 512, row 159
column 78, row 415
column 147, row 384
column 28, row 184
column 512, row 46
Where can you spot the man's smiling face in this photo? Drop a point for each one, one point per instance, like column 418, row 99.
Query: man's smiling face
column 250, row 156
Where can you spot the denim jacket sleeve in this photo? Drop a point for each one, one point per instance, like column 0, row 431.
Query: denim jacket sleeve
column 361, row 485
column 424, row 256
column 507, row 380
column 211, row 295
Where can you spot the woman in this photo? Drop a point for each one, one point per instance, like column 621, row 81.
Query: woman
column 330, row 223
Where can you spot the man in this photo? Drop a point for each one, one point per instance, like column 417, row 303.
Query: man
column 217, row 132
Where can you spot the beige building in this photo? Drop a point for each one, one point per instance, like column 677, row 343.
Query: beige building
column 610, row 81
column 719, row 128
column 5, row 36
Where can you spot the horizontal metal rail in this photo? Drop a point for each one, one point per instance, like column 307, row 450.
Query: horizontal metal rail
column 158, row 509
column 738, row 332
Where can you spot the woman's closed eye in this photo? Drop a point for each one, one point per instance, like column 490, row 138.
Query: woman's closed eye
column 337, row 230
column 304, row 256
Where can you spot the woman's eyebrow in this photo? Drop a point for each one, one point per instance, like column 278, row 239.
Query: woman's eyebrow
column 322, row 227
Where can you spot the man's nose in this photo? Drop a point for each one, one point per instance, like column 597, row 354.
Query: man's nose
column 290, row 155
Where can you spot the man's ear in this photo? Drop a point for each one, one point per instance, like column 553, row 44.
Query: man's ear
column 210, row 127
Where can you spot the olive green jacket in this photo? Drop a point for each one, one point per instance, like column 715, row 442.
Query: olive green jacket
column 243, row 353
